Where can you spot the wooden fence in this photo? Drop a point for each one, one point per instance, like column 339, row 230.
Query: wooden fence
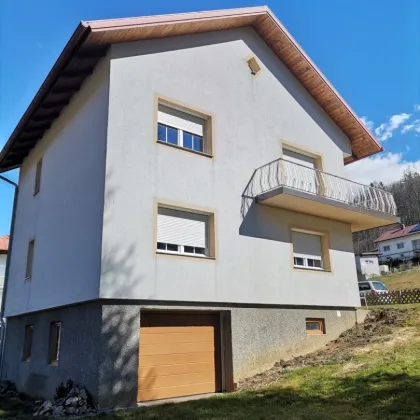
column 399, row 297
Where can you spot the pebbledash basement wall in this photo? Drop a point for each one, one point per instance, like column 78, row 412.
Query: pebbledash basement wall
column 100, row 345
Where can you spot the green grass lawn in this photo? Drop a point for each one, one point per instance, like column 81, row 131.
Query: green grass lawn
column 379, row 379
column 403, row 280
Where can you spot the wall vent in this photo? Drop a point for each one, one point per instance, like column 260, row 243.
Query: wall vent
column 253, row 65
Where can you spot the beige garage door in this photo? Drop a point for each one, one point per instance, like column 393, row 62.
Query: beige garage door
column 179, row 355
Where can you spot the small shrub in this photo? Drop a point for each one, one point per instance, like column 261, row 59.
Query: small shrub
column 63, row 390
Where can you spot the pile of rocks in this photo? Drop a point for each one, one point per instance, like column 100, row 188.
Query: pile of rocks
column 76, row 403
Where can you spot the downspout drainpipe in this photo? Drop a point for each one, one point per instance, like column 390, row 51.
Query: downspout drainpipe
column 6, row 274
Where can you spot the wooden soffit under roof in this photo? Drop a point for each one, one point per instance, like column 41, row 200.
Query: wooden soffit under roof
column 91, row 40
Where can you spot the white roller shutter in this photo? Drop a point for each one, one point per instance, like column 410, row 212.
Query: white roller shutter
column 307, row 245
column 301, row 176
column 181, row 120
column 181, row 228
column 295, row 157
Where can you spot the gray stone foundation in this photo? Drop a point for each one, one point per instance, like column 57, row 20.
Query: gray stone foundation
column 100, row 345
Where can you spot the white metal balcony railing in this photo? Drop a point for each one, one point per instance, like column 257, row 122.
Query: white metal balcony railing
column 283, row 173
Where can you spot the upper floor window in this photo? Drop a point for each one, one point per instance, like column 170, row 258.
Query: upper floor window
column 182, row 129
column 30, row 258
column 310, row 250
column 184, row 232
column 38, row 174
column 400, row 245
column 387, row 248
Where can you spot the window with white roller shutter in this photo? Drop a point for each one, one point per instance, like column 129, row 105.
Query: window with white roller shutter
column 298, row 170
column 307, row 250
column 182, row 232
column 180, row 129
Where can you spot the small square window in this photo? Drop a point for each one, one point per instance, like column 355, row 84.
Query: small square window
column 54, row 347
column 315, row 326
column 28, row 343
column 161, row 246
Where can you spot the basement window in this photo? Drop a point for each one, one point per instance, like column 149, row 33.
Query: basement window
column 54, row 347
column 315, row 326
column 28, row 343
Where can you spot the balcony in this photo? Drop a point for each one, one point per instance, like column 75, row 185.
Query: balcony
column 295, row 187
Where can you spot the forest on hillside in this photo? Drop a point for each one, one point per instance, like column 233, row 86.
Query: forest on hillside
column 406, row 193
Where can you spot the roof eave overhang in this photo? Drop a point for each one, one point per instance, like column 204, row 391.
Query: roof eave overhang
column 90, row 41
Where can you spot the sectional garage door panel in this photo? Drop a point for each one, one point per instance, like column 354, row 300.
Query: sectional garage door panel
column 177, row 358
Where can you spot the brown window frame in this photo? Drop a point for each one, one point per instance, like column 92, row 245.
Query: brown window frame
column 38, row 175
column 320, row 330
column 27, row 348
column 30, row 259
column 55, row 341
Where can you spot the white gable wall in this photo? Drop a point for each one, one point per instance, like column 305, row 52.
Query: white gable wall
column 65, row 217
column 252, row 116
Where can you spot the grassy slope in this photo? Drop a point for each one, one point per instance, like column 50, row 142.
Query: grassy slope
column 378, row 379
column 404, row 280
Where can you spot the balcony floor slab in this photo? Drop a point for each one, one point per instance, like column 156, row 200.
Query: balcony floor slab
column 316, row 205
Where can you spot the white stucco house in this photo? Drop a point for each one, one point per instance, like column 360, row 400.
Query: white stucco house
column 401, row 243
column 183, row 218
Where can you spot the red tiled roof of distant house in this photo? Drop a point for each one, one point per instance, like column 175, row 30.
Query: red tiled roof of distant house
column 397, row 233
column 4, row 244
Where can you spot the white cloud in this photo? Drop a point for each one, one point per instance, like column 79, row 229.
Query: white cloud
column 386, row 167
column 413, row 126
column 416, row 107
column 368, row 123
column 386, row 130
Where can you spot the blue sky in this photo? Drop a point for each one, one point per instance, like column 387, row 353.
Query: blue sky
column 369, row 50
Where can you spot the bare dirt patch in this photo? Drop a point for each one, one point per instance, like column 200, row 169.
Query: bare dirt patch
column 378, row 329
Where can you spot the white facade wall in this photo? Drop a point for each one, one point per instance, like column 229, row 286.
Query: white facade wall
column 252, row 116
column 394, row 252
column 65, row 218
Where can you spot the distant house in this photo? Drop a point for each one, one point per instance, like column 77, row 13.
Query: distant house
column 401, row 243
column 367, row 265
column 4, row 247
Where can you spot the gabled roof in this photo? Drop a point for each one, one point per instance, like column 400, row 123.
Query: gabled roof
column 90, row 41
column 398, row 233
column 4, row 244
